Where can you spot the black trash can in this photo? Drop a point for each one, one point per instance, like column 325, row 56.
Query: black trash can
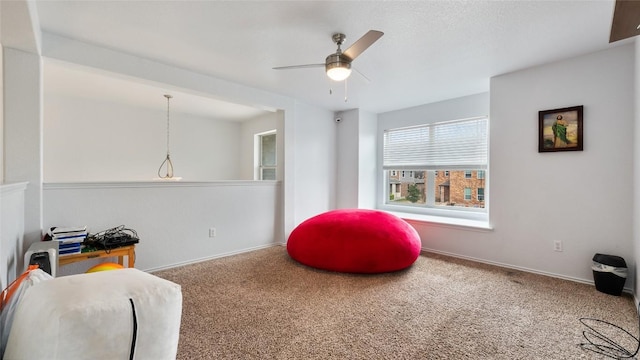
column 609, row 273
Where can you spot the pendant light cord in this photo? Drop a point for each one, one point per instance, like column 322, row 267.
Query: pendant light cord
column 168, row 132
column 167, row 160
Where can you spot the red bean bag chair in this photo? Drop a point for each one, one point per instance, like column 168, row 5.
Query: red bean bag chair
column 355, row 241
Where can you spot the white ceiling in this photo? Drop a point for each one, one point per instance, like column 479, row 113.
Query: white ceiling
column 431, row 50
column 64, row 79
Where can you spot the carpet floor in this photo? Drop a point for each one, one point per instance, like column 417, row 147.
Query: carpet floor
column 264, row 305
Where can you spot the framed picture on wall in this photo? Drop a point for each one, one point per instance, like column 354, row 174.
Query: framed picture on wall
column 560, row 129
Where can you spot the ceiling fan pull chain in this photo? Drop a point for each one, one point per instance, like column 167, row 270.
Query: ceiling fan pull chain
column 330, row 83
column 346, row 97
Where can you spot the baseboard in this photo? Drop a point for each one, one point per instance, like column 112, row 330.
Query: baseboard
column 217, row 256
column 520, row 268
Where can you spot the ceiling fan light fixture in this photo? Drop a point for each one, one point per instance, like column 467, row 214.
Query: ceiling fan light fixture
column 338, row 67
column 339, row 73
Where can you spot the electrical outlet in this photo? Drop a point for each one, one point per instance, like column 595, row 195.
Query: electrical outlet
column 557, row 245
column 212, row 232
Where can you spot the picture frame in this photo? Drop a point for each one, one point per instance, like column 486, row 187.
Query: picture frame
column 560, row 129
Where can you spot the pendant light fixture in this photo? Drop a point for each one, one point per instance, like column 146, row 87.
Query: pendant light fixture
column 167, row 160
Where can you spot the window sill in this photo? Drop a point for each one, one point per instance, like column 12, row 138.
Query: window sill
column 444, row 221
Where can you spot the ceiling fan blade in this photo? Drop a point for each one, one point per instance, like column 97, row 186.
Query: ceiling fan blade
column 298, row 66
column 625, row 20
column 362, row 44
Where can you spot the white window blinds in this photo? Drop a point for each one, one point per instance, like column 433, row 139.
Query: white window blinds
column 451, row 145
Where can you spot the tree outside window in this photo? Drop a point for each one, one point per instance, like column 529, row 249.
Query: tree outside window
column 413, row 193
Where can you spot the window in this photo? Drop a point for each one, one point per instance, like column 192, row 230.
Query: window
column 441, row 158
column 267, row 155
column 467, row 193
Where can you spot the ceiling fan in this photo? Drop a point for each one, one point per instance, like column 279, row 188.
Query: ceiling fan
column 338, row 64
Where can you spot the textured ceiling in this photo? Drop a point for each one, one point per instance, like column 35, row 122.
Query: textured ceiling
column 431, row 50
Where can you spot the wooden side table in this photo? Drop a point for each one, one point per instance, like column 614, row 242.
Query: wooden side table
column 128, row 251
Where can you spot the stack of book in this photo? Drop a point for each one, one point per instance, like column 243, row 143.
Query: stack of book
column 69, row 239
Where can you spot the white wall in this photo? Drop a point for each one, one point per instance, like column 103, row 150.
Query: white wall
column 581, row 198
column 12, row 208
column 453, row 109
column 1, row 114
column 367, row 165
column 172, row 219
column 636, row 175
column 356, row 159
column 20, row 140
column 1, row 107
column 347, row 159
column 314, row 146
column 89, row 140
column 23, row 132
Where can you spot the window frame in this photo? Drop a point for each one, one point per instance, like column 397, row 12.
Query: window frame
column 259, row 167
column 468, row 216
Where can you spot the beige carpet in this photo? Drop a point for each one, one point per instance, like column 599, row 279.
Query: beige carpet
column 263, row 305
